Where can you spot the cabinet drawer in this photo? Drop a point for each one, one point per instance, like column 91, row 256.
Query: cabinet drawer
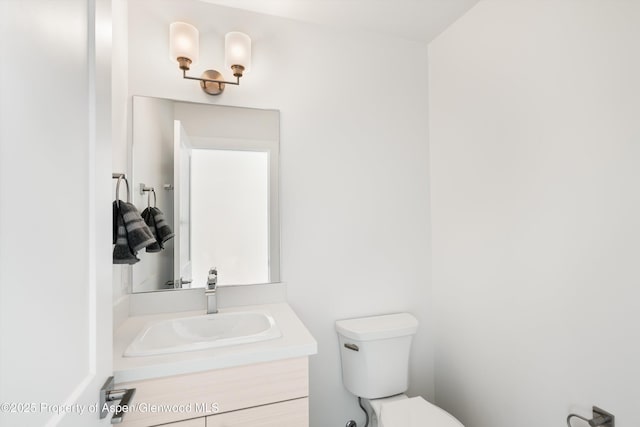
column 195, row 422
column 218, row 391
column 292, row 413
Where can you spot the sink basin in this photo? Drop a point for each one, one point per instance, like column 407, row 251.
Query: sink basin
column 202, row 332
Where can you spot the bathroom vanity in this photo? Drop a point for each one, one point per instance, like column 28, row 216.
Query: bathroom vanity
column 255, row 384
column 248, row 364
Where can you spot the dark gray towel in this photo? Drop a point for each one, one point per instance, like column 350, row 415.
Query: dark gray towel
column 151, row 223
column 163, row 231
column 138, row 234
column 122, row 253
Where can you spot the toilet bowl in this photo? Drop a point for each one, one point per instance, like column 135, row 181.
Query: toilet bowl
column 374, row 352
column 414, row 412
column 403, row 411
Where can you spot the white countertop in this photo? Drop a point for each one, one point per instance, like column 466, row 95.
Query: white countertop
column 296, row 341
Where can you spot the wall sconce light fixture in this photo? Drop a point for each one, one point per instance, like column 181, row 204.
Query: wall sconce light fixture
column 184, row 47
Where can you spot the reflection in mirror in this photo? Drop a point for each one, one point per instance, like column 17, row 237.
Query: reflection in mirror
column 215, row 171
column 233, row 227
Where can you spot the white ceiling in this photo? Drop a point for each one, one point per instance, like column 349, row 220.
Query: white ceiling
column 419, row 20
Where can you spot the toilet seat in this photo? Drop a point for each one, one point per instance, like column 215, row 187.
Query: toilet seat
column 415, row 412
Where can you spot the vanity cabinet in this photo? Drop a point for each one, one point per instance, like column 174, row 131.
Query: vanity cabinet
column 258, row 395
column 292, row 413
column 195, row 422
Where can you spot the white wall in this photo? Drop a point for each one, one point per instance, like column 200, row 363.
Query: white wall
column 354, row 175
column 221, row 122
column 535, row 146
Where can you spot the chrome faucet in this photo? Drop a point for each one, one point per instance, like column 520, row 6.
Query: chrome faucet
column 210, row 292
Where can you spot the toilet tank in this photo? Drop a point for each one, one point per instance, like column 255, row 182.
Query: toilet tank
column 375, row 354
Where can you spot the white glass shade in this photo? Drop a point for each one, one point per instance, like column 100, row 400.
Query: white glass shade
column 237, row 48
column 184, row 41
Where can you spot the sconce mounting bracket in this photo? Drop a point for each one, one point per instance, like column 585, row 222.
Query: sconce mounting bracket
column 212, row 88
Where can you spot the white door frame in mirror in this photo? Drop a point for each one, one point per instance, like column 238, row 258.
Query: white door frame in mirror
column 272, row 149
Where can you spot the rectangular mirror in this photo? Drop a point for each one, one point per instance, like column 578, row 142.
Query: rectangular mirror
column 214, row 172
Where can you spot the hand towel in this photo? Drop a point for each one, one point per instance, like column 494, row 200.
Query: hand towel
column 148, row 218
column 122, row 253
column 138, row 234
column 163, row 230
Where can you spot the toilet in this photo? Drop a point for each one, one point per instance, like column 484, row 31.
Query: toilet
column 375, row 367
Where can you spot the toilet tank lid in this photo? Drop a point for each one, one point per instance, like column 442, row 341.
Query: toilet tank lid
column 378, row 327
